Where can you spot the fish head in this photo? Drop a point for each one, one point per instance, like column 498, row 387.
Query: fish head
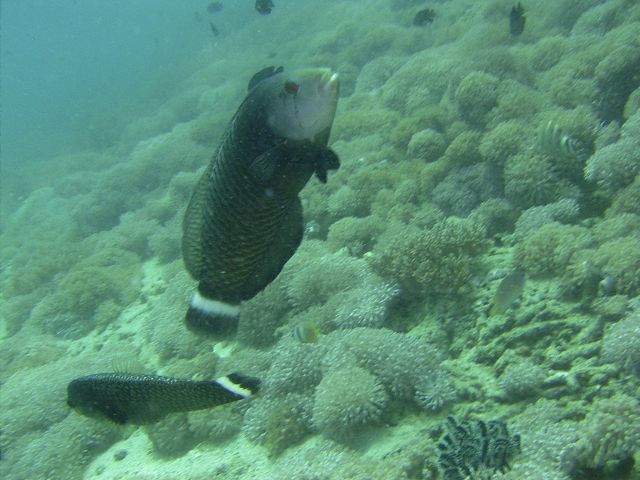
column 304, row 105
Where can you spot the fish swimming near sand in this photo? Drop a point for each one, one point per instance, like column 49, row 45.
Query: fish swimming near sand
column 508, row 291
column 142, row 399
column 244, row 220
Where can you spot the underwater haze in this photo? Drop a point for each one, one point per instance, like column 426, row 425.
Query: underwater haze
column 465, row 300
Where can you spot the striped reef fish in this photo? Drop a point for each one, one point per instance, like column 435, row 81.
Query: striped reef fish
column 555, row 141
column 306, row 332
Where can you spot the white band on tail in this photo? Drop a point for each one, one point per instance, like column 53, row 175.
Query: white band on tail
column 214, row 307
column 233, row 387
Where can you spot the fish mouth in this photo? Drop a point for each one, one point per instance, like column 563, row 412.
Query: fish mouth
column 329, row 82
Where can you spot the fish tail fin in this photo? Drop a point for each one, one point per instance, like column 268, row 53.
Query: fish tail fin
column 211, row 317
column 250, row 385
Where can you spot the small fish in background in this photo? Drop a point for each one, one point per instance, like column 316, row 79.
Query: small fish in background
column 214, row 7
column 213, row 28
column 142, row 399
column 264, row 7
column 554, row 141
column 508, row 291
column 424, row 17
column 517, row 19
column 306, row 332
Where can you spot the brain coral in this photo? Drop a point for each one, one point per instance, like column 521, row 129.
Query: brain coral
column 346, row 400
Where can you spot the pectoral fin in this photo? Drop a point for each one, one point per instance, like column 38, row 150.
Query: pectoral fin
column 327, row 160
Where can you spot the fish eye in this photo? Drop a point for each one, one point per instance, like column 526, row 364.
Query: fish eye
column 291, row 87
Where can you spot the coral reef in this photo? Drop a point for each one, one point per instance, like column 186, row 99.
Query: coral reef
column 621, row 343
column 504, row 141
column 171, row 436
column 521, row 379
column 610, row 436
column 476, row 95
column 426, row 145
column 346, row 400
column 620, row 259
column 549, row 249
column 398, row 361
column 435, row 392
column 357, row 235
column 615, row 165
column 563, row 211
column 465, row 188
column 439, row 260
column 530, row 180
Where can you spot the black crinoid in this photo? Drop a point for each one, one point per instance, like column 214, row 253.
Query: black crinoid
column 475, row 449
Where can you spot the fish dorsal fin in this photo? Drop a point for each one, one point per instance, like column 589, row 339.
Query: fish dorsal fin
column 263, row 75
column 128, row 365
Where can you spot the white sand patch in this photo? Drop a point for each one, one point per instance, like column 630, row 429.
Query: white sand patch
column 236, row 460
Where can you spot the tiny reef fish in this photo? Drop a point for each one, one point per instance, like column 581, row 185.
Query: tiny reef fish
column 141, row 399
column 424, row 17
column 517, row 19
column 306, row 332
column 508, row 291
column 264, row 7
column 244, row 220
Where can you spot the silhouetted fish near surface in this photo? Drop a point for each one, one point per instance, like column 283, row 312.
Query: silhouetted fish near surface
column 244, row 220
column 264, row 7
column 213, row 28
column 214, row 7
column 424, row 17
column 508, row 291
column 517, row 19
column 140, row 399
